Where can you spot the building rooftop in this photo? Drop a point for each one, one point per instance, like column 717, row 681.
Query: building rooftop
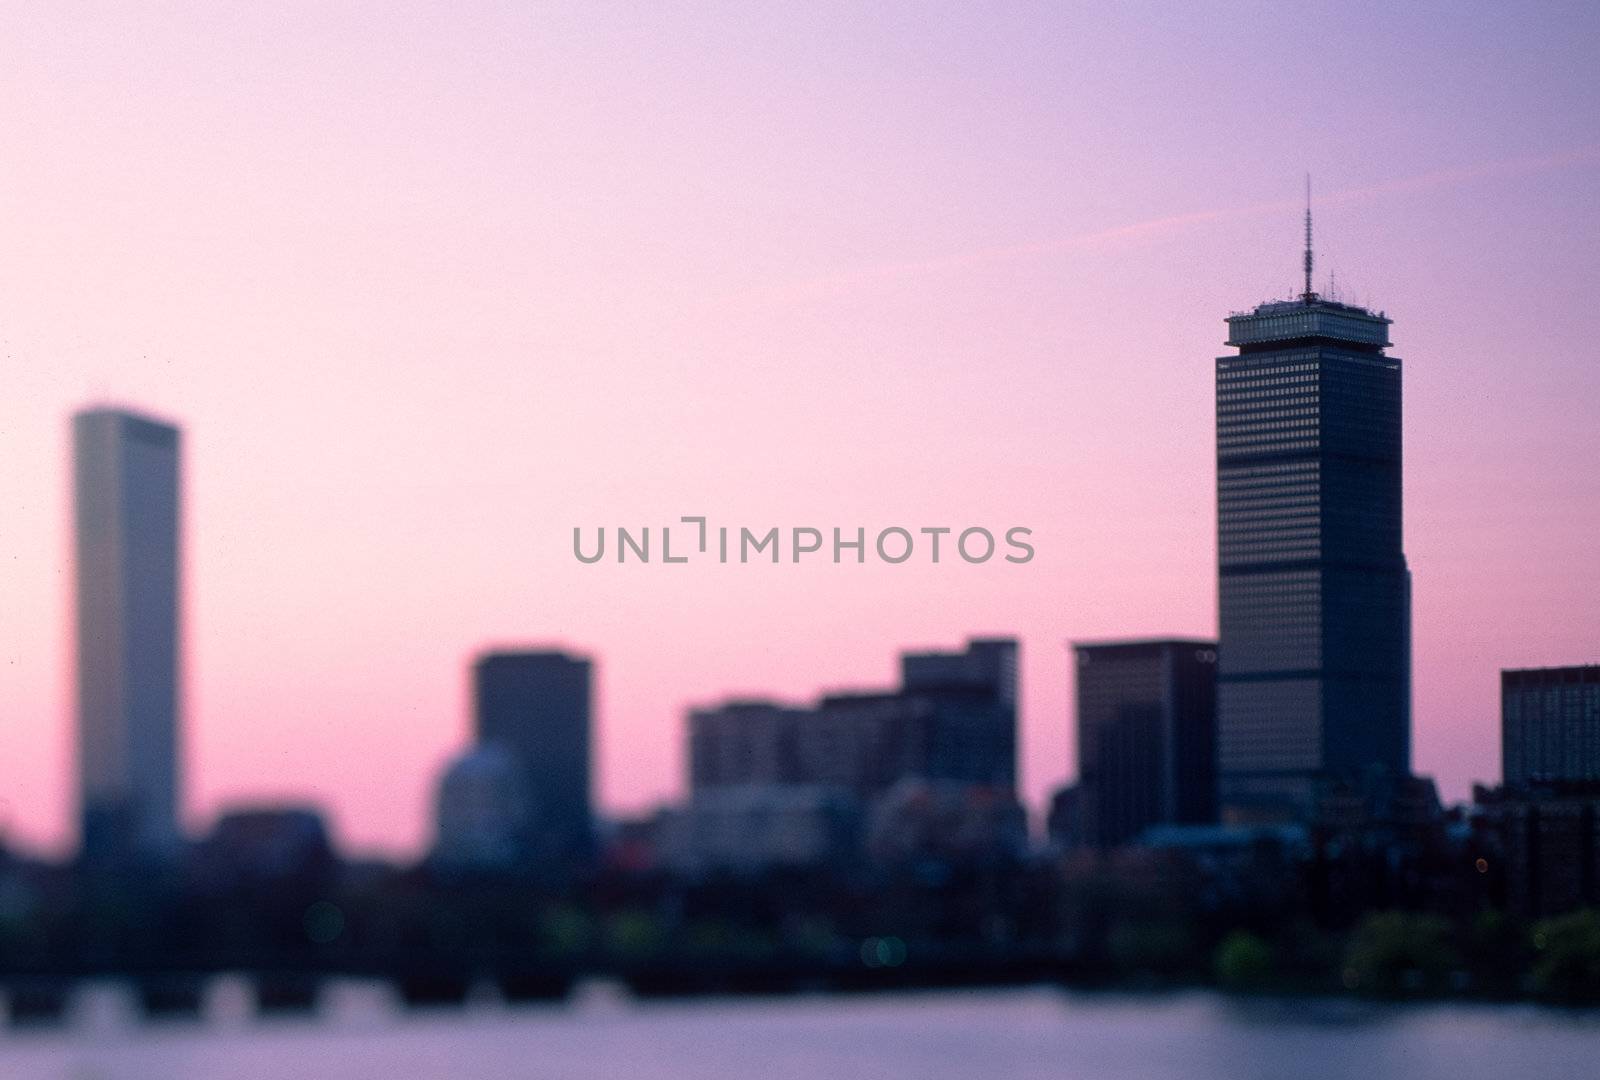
column 1308, row 316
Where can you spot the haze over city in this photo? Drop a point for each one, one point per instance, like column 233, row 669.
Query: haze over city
column 426, row 295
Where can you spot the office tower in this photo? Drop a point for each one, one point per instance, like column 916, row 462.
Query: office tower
column 1550, row 727
column 536, row 705
column 125, row 509
column 1146, row 736
column 1314, row 673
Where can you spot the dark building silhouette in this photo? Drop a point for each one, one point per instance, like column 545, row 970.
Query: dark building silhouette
column 481, row 813
column 1550, row 727
column 1545, row 820
column 953, row 719
column 1313, row 680
column 1064, row 819
column 973, row 694
column 537, row 706
column 1146, row 730
column 126, row 529
column 747, row 742
column 1544, row 845
column 266, row 847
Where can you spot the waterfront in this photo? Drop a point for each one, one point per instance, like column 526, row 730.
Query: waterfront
column 359, row 1034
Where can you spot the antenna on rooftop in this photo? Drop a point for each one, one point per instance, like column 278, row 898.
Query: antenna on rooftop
column 1308, row 295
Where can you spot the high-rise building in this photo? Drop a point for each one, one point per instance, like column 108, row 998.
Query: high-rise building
column 537, row 706
column 1550, row 727
column 126, row 530
column 1146, row 736
column 1314, row 597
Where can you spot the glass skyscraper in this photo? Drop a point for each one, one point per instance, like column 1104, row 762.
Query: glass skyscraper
column 1314, row 597
column 125, row 508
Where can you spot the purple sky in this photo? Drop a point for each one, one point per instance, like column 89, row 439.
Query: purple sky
column 428, row 289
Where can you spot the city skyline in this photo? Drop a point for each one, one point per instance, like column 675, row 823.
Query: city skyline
column 418, row 327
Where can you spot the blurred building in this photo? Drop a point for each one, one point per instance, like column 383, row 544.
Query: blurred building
column 537, row 705
column 751, row 828
column 1314, row 596
column 1064, row 821
column 974, row 698
column 266, row 846
column 1550, row 726
column 481, row 813
column 1546, row 843
column 633, row 845
column 954, row 718
column 747, row 742
column 1542, row 828
column 126, row 531
column 950, row 821
column 1146, row 732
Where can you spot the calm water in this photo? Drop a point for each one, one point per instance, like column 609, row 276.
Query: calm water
column 990, row 1034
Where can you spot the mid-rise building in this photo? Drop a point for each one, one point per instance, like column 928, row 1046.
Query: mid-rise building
column 1550, row 727
column 537, row 705
column 1146, row 733
column 953, row 719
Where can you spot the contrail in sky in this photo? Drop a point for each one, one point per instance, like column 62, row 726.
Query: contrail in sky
column 872, row 272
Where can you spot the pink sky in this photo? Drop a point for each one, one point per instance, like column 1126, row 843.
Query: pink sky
column 427, row 290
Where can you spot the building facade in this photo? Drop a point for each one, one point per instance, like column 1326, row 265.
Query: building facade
column 126, row 537
column 973, row 696
column 1314, row 596
column 1550, row 727
column 1146, row 734
column 537, row 706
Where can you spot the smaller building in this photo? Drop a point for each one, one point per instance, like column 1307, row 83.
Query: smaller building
column 481, row 813
column 758, row 827
column 954, row 718
column 1550, row 726
column 537, row 705
column 1146, row 730
column 1064, row 820
column 946, row 821
column 266, row 847
column 1546, row 846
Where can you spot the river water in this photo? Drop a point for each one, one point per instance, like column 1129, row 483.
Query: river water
column 359, row 1034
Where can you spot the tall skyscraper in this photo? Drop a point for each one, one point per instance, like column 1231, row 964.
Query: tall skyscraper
column 537, row 705
column 1147, row 728
column 1550, row 727
column 126, row 528
column 1314, row 597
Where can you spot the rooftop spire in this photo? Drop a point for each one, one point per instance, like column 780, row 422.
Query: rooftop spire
column 1308, row 295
